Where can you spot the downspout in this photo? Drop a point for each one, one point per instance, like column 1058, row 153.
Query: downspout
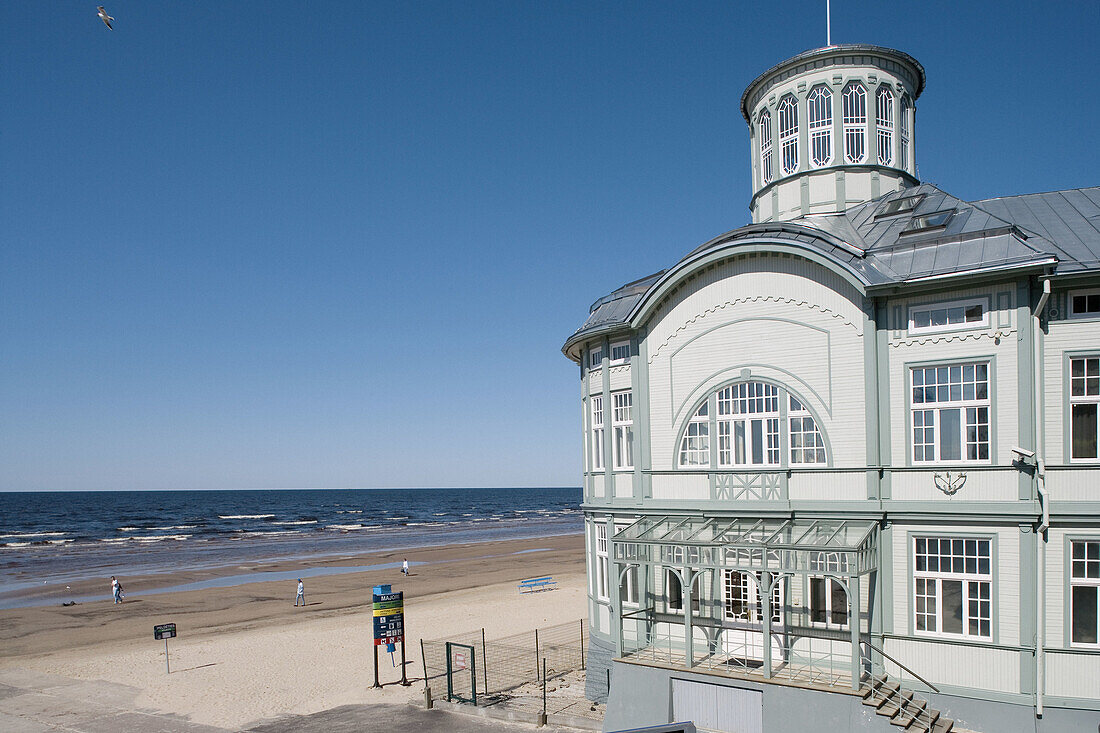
column 1044, row 504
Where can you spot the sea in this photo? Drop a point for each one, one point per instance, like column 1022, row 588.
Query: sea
column 50, row 539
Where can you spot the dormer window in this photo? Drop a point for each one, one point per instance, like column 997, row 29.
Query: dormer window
column 765, row 128
column 788, row 134
column 884, row 118
column 1084, row 303
column 821, row 126
column 855, row 123
column 928, row 222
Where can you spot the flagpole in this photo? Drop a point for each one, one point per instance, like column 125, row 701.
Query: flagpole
column 828, row 24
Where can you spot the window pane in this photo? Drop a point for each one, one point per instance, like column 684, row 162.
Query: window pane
column 973, row 313
column 817, row 600
column 952, row 616
column 950, row 433
column 839, row 601
column 757, row 442
column 674, row 591
column 1084, row 614
column 1083, row 426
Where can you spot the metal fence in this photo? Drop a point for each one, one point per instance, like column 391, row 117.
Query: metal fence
column 469, row 668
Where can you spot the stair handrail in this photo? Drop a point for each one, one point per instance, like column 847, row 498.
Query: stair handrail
column 883, row 653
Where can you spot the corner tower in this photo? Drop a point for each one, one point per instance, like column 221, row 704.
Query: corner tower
column 831, row 128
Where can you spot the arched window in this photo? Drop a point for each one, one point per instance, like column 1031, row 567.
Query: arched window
column 749, row 426
column 884, row 118
column 903, row 131
column 821, row 126
column 765, row 129
column 788, row 134
column 855, row 122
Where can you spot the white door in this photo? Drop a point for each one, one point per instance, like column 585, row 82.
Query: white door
column 717, row 707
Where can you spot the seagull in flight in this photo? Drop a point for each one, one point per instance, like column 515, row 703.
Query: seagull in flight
column 104, row 17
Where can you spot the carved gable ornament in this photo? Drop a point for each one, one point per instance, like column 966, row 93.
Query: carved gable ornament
column 949, row 483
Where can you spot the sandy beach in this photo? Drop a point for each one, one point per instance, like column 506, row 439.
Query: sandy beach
column 245, row 654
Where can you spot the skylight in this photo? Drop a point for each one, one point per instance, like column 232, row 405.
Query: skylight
column 902, row 205
column 928, row 222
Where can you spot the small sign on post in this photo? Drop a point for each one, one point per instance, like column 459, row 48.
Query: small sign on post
column 389, row 626
column 166, row 632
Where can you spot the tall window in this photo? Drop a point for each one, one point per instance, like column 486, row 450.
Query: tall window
column 1085, row 593
column 828, row 603
column 903, row 131
column 695, row 447
column 855, row 123
column 1084, row 400
column 788, row 134
column 748, row 425
column 821, row 126
column 884, row 117
column 953, row 585
column 674, row 587
column 622, row 422
column 765, row 129
column 620, row 353
column 601, row 561
column 628, row 584
column 596, row 444
column 595, row 357
column 741, row 598
column 951, row 413
column 807, row 445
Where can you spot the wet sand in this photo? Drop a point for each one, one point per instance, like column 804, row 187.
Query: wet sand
column 245, row 653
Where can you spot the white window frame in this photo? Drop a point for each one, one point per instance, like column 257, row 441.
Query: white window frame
column 619, row 346
column 743, row 588
column 946, row 398
column 622, row 426
column 787, row 111
column 1084, row 572
column 903, row 131
column 596, row 442
column 1072, row 305
column 1087, row 389
column 964, row 305
column 884, row 124
column 628, row 588
column 827, row 562
column 807, row 446
column 602, row 563
column 855, row 123
column 820, row 124
column 595, row 358
column 929, row 585
column 695, row 441
column 748, row 414
column 764, row 126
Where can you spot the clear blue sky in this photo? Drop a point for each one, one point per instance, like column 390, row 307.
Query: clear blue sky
column 340, row 244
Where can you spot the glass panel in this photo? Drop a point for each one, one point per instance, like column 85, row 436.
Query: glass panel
column 952, row 612
column 1083, row 426
column 1084, row 612
column 674, row 591
column 739, row 442
column 757, row 442
column 839, row 601
column 817, row 600
column 950, row 433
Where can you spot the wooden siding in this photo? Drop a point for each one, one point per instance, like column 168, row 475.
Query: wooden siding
column 620, row 377
column 779, row 317
column 681, row 486
column 1061, row 336
column 1073, row 675
column 958, row 665
column 997, row 485
column 624, row 484
column 1073, row 484
column 818, row 486
column 598, row 484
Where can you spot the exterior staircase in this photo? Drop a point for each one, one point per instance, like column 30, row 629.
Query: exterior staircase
column 904, row 708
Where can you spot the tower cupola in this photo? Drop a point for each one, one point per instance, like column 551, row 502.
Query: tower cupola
column 831, row 128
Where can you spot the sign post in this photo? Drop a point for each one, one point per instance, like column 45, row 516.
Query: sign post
column 389, row 626
column 166, row 632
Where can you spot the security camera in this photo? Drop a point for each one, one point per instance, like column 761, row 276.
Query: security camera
column 1023, row 455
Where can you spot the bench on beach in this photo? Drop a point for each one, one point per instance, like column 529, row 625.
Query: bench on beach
column 535, row 585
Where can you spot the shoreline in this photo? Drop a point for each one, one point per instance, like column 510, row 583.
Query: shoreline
column 241, row 571
column 30, row 631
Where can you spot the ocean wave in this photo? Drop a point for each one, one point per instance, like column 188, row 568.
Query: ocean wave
column 245, row 516
column 439, row 514
column 145, row 538
column 400, row 517
column 426, row 524
column 15, row 544
column 60, row 542
column 176, row 526
column 299, row 521
column 264, row 533
column 349, row 511
column 129, row 529
column 32, row 534
column 344, row 527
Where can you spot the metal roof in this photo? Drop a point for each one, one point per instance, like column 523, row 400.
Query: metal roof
column 1057, row 231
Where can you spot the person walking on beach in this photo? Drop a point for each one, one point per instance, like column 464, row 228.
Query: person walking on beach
column 116, row 589
column 405, row 567
column 301, row 594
